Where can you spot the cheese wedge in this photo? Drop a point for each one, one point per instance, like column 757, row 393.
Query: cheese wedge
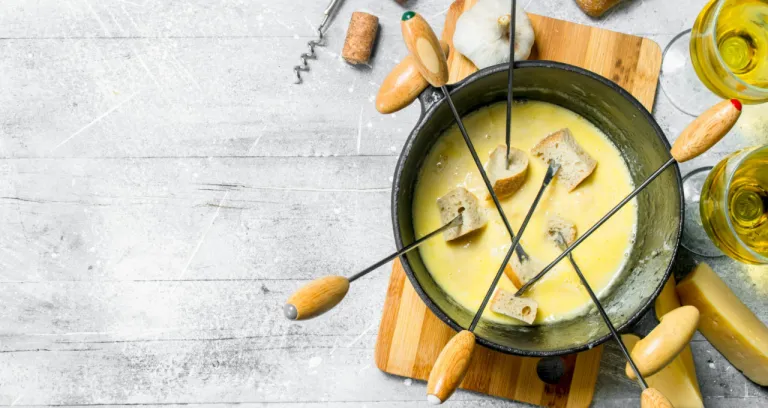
column 665, row 303
column 727, row 323
column 677, row 381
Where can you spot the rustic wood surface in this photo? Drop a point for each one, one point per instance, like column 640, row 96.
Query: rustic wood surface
column 164, row 187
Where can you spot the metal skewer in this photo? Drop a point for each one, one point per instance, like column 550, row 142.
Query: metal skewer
column 521, row 254
column 510, row 75
column 597, row 225
column 447, row 373
column 321, row 295
column 697, row 138
column 453, row 223
column 560, row 240
column 551, row 171
column 683, row 320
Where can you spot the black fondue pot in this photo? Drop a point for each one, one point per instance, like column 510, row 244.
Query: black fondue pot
column 644, row 148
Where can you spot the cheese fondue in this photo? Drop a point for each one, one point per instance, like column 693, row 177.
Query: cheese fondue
column 465, row 268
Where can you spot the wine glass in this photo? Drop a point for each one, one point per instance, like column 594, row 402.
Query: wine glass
column 733, row 207
column 724, row 56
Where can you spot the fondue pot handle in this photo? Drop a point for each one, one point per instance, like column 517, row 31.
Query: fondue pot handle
column 664, row 342
column 425, row 49
column 429, row 98
column 706, row 130
column 316, row 297
column 451, row 367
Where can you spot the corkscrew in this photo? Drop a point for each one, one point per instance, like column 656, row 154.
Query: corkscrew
column 317, row 42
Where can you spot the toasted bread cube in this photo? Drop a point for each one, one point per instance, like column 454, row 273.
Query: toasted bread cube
column 519, row 308
column 575, row 164
column 506, row 181
column 565, row 227
column 461, row 201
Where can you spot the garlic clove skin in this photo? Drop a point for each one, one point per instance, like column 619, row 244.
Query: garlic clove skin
column 482, row 33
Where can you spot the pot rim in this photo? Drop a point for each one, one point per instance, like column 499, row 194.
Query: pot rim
column 426, row 115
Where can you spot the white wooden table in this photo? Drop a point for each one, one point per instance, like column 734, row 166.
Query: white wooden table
column 164, row 187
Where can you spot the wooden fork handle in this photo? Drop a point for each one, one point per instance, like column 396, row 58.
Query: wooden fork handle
column 422, row 43
column 316, row 297
column 402, row 85
column 451, row 367
column 665, row 342
column 706, row 130
column 652, row 398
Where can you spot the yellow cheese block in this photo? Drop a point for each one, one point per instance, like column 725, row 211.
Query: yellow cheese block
column 727, row 323
column 677, row 381
column 665, row 303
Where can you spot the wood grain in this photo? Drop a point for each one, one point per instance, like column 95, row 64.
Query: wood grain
column 402, row 85
column 706, row 130
column 665, row 342
column 630, row 61
column 652, row 398
column 317, row 297
column 423, row 45
column 451, row 366
column 410, row 336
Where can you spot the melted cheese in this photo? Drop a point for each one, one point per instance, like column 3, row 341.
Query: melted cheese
column 465, row 269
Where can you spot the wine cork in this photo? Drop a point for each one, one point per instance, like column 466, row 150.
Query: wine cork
column 361, row 35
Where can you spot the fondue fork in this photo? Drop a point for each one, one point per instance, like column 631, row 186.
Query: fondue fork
column 655, row 396
column 423, row 45
column 562, row 244
column 510, row 75
column 697, row 138
column 452, row 364
column 322, row 294
column 453, row 361
column 550, row 174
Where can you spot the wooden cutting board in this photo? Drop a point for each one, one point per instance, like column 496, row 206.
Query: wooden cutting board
column 411, row 336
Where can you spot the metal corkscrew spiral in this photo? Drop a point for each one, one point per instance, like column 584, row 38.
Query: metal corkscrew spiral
column 318, row 42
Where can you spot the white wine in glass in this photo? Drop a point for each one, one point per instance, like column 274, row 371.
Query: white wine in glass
column 729, row 49
column 724, row 56
column 734, row 205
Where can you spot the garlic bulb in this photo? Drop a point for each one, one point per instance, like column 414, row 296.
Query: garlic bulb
column 482, row 33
